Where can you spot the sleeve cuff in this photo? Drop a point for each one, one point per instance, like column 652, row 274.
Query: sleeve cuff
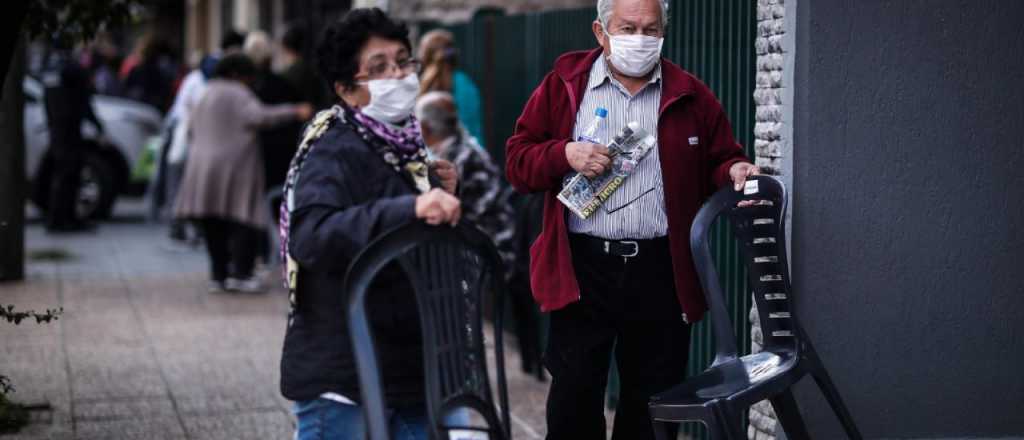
column 401, row 209
column 721, row 175
column 558, row 164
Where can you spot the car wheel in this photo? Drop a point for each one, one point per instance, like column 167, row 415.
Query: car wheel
column 97, row 189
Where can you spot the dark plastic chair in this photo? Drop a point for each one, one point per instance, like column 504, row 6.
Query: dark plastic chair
column 720, row 395
column 450, row 270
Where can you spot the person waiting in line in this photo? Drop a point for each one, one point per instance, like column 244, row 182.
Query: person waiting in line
column 480, row 184
column 361, row 170
column 223, row 184
column 622, row 279
column 441, row 73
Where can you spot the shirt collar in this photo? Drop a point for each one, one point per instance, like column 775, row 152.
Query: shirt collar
column 599, row 74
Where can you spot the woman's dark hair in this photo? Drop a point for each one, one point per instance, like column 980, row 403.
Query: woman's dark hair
column 338, row 51
column 234, row 66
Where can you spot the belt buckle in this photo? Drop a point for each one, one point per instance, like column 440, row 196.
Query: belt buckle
column 636, row 248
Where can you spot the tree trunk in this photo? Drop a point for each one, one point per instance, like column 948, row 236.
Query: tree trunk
column 12, row 170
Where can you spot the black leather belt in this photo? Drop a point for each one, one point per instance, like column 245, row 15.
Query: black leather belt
column 620, row 248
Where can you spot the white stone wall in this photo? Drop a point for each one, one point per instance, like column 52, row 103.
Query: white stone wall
column 772, row 145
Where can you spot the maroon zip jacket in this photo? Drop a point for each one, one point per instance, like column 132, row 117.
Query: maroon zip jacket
column 696, row 147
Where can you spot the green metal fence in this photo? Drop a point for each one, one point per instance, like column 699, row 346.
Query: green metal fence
column 507, row 56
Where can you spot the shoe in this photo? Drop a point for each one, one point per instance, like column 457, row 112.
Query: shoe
column 216, row 286
column 245, row 285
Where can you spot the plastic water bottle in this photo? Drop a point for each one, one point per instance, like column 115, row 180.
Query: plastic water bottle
column 597, row 130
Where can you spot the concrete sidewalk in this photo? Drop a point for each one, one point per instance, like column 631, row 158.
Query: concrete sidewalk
column 143, row 351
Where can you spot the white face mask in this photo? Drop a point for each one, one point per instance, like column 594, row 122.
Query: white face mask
column 392, row 99
column 634, row 55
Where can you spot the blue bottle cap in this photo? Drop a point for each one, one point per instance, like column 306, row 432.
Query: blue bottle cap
column 601, row 112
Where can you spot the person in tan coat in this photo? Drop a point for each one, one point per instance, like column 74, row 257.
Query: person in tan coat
column 224, row 177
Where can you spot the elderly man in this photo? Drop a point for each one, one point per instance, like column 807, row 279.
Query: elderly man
column 622, row 277
column 480, row 189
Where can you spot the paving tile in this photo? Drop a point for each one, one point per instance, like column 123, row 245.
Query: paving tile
column 133, row 408
column 37, row 372
column 149, row 428
column 272, row 424
column 112, row 371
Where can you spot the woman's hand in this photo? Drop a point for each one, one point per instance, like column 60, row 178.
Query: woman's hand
column 447, row 173
column 437, row 207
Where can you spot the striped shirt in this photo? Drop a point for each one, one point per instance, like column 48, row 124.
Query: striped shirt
column 637, row 209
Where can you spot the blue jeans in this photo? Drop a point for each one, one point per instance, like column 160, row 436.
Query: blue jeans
column 324, row 419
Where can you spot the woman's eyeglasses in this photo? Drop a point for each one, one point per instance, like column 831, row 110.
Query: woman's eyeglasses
column 404, row 66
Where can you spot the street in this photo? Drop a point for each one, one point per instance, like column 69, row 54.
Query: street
column 143, row 351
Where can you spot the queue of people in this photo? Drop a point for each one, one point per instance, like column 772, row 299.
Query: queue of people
column 398, row 138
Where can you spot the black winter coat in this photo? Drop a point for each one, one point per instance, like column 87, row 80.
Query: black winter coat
column 345, row 197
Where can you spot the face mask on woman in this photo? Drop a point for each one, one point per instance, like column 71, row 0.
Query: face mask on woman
column 392, row 99
column 634, row 55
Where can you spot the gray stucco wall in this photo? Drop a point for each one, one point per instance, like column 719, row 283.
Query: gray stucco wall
column 908, row 246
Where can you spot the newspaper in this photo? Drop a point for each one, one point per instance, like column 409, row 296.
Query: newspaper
column 584, row 196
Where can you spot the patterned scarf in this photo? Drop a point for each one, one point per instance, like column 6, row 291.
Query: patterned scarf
column 401, row 147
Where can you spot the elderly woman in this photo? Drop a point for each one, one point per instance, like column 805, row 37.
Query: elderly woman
column 360, row 170
column 223, row 185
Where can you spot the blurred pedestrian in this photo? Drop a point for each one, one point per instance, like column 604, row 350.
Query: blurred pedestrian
column 360, row 171
column 102, row 65
column 151, row 79
column 175, row 151
column 278, row 142
column 223, row 183
column 68, row 103
column 620, row 282
column 441, row 73
column 300, row 74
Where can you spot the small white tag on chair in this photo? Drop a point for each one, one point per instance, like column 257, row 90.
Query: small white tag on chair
column 694, row 140
column 750, row 187
column 465, row 434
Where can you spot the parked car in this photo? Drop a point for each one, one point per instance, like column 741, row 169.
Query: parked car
column 109, row 160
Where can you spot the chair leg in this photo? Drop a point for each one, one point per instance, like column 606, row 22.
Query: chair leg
column 730, row 426
column 665, row 430
column 715, row 429
column 828, row 388
column 789, row 416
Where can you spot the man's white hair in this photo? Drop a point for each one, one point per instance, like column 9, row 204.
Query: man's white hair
column 604, row 12
column 258, row 47
column 431, row 111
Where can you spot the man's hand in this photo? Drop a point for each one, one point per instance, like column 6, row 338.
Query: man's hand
column 437, row 207
column 739, row 172
column 447, row 173
column 589, row 159
column 304, row 111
